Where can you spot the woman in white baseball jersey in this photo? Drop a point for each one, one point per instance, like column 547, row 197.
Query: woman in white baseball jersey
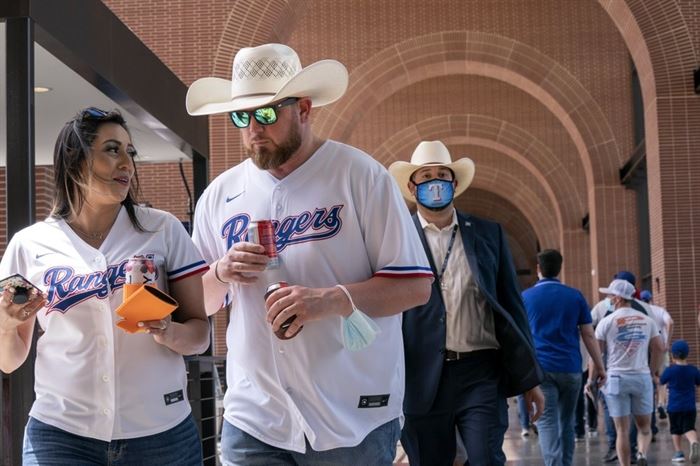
column 103, row 396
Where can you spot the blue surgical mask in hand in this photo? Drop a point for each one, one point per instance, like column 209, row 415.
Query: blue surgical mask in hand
column 359, row 331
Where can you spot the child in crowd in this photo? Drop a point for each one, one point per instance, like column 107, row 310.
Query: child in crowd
column 682, row 378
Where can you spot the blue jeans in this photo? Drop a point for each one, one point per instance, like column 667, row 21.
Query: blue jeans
column 377, row 449
column 556, row 425
column 47, row 445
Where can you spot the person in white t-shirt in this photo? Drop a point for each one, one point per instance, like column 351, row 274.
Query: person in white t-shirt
column 348, row 250
column 602, row 309
column 102, row 394
column 626, row 337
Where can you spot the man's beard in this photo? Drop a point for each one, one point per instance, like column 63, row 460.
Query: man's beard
column 267, row 159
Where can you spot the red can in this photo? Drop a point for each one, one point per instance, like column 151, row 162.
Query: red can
column 263, row 232
column 280, row 333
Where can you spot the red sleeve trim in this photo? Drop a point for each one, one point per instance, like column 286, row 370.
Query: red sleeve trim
column 201, row 271
column 403, row 275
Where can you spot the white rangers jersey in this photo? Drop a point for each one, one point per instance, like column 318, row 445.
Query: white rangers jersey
column 339, row 218
column 92, row 378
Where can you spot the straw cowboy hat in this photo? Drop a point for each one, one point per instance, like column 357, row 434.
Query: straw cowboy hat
column 264, row 74
column 430, row 153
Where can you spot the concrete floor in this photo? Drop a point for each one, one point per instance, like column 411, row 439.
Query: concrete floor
column 590, row 452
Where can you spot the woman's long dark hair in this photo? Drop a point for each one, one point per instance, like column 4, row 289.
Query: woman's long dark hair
column 71, row 155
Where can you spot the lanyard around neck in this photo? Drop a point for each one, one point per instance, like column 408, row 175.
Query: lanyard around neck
column 447, row 255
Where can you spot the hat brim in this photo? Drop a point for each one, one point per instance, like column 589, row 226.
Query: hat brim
column 614, row 293
column 323, row 82
column 463, row 169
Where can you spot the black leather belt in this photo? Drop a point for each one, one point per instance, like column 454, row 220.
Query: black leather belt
column 455, row 355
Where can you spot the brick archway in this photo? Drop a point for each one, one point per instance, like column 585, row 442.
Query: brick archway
column 661, row 44
column 501, row 136
column 254, row 23
column 491, row 55
column 522, row 66
column 526, row 193
column 560, row 207
column 521, row 234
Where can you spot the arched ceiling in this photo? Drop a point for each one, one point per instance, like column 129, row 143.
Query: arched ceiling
column 522, row 236
column 537, row 92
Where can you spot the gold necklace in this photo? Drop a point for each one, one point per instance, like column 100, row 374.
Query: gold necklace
column 94, row 236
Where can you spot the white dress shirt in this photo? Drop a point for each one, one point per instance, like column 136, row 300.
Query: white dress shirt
column 465, row 305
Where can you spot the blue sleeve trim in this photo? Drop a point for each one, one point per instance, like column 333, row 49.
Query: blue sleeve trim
column 187, row 267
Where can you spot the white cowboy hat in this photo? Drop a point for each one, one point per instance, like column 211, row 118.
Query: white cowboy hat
column 429, row 153
column 264, row 74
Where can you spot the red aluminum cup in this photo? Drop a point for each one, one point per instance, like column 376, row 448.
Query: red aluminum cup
column 280, row 333
column 263, row 232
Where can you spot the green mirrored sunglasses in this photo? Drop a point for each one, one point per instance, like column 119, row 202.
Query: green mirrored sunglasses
column 263, row 115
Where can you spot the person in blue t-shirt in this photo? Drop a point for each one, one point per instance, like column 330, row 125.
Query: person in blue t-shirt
column 558, row 314
column 682, row 378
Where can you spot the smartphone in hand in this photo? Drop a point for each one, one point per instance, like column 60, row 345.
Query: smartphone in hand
column 22, row 286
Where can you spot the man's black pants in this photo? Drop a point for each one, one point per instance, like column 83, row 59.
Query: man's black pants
column 468, row 399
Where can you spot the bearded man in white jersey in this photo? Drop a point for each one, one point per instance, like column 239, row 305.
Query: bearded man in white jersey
column 330, row 392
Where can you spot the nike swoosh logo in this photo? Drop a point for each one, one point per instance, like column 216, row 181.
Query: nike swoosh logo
column 39, row 256
column 229, row 199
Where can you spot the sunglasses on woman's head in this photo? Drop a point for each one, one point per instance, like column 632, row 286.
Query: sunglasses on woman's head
column 92, row 113
column 263, row 115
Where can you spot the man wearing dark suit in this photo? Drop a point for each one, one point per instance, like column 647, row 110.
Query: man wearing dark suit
column 469, row 347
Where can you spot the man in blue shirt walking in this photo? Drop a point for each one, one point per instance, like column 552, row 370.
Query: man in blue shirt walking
column 558, row 314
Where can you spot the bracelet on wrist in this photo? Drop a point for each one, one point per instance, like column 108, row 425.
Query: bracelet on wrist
column 216, row 274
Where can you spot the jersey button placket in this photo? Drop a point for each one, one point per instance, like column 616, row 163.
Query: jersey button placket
column 106, row 380
column 106, row 344
column 298, row 420
column 282, row 364
column 102, row 352
column 277, row 206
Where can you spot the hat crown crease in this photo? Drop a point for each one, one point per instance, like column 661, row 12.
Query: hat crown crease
column 265, row 68
column 263, row 75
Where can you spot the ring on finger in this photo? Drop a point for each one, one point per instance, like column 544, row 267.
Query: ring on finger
column 163, row 324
